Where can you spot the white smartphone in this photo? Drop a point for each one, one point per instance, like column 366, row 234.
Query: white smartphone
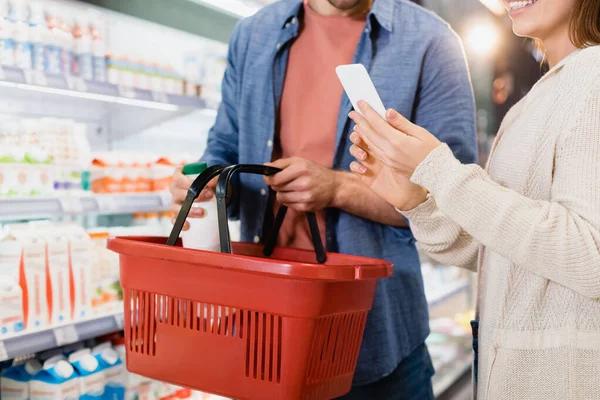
column 358, row 86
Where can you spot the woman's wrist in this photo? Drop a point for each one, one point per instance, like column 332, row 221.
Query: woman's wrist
column 415, row 201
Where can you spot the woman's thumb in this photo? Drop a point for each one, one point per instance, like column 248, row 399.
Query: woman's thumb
column 398, row 121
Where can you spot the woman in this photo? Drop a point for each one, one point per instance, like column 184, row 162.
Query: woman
column 529, row 223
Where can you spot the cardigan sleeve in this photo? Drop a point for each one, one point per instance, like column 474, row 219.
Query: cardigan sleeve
column 559, row 239
column 441, row 238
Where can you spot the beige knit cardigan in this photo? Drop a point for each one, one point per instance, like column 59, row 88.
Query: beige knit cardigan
column 542, row 341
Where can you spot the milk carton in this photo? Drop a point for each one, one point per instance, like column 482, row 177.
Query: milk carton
column 114, row 371
column 136, row 387
column 57, row 272
column 56, row 381
column 80, row 270
column 91, row 375
column 32, row 275
column 15, row 380
column 11, row 294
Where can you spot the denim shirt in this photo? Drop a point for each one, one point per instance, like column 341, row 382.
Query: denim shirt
column 418, row 67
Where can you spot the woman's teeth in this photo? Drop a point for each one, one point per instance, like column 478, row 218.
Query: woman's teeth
column 515, row 5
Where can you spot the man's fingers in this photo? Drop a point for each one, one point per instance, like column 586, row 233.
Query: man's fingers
column 288, row 198
column 299, row 184
column 290, row 173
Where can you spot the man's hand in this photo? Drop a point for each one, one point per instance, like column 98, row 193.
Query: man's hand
column 179, row 188
column 304, row 185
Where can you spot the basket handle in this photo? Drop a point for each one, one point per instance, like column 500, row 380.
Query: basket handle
column 222, row 197
column 193, row 192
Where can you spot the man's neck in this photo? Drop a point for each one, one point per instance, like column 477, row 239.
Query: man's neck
column 323, row 7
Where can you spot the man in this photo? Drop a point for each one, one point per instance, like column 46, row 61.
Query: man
column 282, row 102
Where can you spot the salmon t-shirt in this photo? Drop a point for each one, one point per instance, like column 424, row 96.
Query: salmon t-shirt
column 310, row 103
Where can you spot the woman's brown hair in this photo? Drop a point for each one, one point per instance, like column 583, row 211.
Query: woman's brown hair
column 585, row 23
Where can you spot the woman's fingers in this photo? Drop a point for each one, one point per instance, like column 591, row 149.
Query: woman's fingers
column 358, row 153
column 372, row 138
column 401, row 123
column 379, row 124
column 358, row 168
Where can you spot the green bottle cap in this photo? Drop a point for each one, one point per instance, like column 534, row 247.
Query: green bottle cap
column 194, row 169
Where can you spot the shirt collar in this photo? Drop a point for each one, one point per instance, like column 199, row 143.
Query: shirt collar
column 382, row 10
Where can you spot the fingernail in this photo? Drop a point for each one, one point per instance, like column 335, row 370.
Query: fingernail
column 361, row 103
column 208, row 194
column 362, row 169
column 362, row 155
column 354, row 136
column 392, row 115
column 197, row 212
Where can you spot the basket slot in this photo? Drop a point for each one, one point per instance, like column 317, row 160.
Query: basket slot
column 263, row 345
column 335, row 347
column 142, row 322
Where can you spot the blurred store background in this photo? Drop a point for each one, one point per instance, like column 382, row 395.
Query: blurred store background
column 87, row 147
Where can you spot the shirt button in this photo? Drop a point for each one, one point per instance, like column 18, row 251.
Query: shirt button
column 256, row 239
column 278, row 46
column 294, row 20
column 263, row 192
column 270, row 143
column 287, row 25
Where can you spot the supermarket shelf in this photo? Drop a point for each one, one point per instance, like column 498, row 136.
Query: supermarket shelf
column 121, row 110
column 96, row 91
column 437, row 298
column 34, row 342
column 445, row 381
column 32, row 208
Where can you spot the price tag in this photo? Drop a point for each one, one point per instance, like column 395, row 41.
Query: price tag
column 126, row 92
column 65, row 335
column 71, row 205
column 160, row 97
column 120, row 321
column 3, row 352
column 107, row 203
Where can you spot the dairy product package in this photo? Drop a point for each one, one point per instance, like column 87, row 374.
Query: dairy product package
column 114, row 371
column 11, row 294
column 90, row 373
column 136, row 387
column 57, row 380
column 80, row 270
column 32, row 275
column 15, row 381
column 106, row 290
column 57, row 271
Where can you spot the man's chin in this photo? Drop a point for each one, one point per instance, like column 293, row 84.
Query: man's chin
column 344, row 4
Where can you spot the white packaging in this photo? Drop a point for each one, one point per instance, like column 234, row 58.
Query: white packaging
column 20, row 35
column 6, row 43
column 15, row 381
column 136, row 386
column 37, row 32
column 80, row 270
column 33, row 278
column 11, row 295
column 98, row 50
column 114, row 371
column 91, row 375
column 203, row 233
column 56, row 381
column 57, row 257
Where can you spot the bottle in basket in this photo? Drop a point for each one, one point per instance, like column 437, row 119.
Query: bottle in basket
column 204, row 232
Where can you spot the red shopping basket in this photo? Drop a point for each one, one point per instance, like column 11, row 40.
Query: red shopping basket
column 258, row 324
